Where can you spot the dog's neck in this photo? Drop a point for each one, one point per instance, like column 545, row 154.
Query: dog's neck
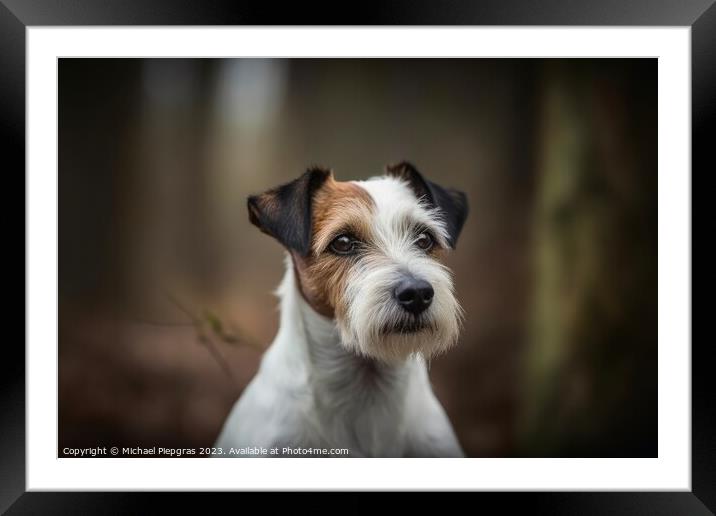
column 348, row 389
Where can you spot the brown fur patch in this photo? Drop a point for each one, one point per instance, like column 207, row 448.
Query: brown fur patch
column 338, row 207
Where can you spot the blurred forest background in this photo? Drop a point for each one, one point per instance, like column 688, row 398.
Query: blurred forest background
column 556, row 267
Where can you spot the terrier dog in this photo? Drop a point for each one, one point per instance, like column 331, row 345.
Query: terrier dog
column 365, row 303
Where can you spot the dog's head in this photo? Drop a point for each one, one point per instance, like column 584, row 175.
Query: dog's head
column 368, row 253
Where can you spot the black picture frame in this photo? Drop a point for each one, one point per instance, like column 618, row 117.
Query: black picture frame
column 17, row 15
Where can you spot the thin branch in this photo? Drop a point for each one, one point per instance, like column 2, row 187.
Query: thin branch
column 208, row 325
column 209, row 344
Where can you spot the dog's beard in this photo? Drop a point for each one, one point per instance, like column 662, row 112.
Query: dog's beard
column 409, row 324
column 374, row 325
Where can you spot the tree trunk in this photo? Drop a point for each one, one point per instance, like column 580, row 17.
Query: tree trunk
column 591, row 375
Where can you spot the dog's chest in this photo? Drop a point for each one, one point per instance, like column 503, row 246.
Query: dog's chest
column 363, row 411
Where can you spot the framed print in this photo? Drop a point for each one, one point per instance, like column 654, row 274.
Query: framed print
column 418, row 250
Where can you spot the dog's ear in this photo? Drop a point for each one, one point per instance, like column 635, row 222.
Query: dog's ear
column 452, row 203
column 284, row 212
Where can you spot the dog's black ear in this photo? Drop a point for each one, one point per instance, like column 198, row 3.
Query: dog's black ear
column 284, row 212
column 452, row 203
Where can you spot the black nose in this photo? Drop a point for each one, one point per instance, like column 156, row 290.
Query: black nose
column 414, row 295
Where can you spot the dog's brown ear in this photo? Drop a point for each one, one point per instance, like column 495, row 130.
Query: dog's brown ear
column 452, row 203
column 284, row 212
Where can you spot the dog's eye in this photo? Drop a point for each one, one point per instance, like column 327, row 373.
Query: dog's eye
column 343, row 244
column 424, row 241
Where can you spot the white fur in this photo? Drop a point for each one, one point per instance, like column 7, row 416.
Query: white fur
column 371, row 283
column 326, row 383
column 311, row 392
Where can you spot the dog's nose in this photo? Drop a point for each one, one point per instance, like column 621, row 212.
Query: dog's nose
column 414, row 295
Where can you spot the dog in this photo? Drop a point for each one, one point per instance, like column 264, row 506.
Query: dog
column 365, row 304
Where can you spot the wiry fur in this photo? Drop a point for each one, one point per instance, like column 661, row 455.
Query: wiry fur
column 392, row 252
column 339, row 373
